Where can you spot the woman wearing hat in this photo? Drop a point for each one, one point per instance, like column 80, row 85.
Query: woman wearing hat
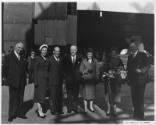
column 41, row 78
column 88, row 68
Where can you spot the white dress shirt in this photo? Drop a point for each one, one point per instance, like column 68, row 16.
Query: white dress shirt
column 134, row 55
column 73, row 59
column 17, row 55
column 57, row 59
column 90, row 60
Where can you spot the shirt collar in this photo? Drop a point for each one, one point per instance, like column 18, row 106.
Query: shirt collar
column 17, row 55
column 56, row 58
column 43, row 57
column 136, row 53
column 73, row 56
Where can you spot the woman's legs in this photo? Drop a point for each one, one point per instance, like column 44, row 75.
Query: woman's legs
column 41, row 91
column 88, row 105
column 91, row 105
column 40, row 111
column 89, row 95
column 108, row 107
column 114, row 108
column 85, row 105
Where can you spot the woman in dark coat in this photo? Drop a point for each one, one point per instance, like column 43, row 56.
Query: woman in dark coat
column 41, row 78
column 88, row 68
column 115, row 65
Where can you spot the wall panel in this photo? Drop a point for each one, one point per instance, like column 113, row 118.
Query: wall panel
column 18, row 13
column 15, row 31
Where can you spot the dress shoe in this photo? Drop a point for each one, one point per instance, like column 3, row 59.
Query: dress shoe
column 39, row 114
column 114, row 115
column 57, row 113
column 108, row 113
column 54, row 113
column 61, row 112
column 69, row 110
column 75, row 110
column 10, row 119
column 22, row 116
column 92, row 110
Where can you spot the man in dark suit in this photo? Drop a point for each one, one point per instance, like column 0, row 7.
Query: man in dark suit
column 71, row 65
column 55, row 82
column 137, row 75
column 14, row 70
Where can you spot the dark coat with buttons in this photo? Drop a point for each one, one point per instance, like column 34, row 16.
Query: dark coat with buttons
column 41, row 67
column 139, row 61
column 55, row 71
column 14, row 71
column 72, row 71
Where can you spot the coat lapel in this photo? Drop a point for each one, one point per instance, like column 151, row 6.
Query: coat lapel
column 15, row 58
column 53, row 59
column 75, row 60
column 135, row 58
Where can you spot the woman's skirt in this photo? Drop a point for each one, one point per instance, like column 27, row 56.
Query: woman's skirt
column 114, row 94
column 41, row 90
column 89, row 89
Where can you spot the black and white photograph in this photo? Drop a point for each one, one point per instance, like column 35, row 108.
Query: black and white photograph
column 77, row 62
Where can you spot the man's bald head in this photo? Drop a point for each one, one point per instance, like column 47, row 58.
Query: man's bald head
column 56, row 51
column 73, row 50
column 19, row 47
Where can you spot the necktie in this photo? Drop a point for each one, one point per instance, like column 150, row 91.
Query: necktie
column 18, row 58
column 73, row 59
column 58, row 59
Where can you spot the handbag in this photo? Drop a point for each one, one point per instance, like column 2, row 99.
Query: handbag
column 29, row 92
column 88, row 76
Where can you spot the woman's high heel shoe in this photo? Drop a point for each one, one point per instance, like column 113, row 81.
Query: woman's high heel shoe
column 91, row 106
column 108, row 113
column 39, row 114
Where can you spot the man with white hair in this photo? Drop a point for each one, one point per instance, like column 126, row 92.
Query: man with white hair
column 137, row 66
column 71, row 65
column 14, row 70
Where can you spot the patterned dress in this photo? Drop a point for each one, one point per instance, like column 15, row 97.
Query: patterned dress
column 89, row 71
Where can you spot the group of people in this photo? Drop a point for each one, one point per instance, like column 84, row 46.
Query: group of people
column 50, row 73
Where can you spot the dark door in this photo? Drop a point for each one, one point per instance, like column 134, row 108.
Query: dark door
column 111, row 30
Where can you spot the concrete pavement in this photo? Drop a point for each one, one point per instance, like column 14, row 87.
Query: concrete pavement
column 124, row 110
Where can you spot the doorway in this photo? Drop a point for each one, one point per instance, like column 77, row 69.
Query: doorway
column 110, row 29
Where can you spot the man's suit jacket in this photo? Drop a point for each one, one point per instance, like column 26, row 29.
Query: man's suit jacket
column 14, row 71
column 55, row 71
column 140, row 61
column 72, row 71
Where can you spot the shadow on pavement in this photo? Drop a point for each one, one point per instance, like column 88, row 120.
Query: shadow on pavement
column 86, row 119
column 27, row 106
